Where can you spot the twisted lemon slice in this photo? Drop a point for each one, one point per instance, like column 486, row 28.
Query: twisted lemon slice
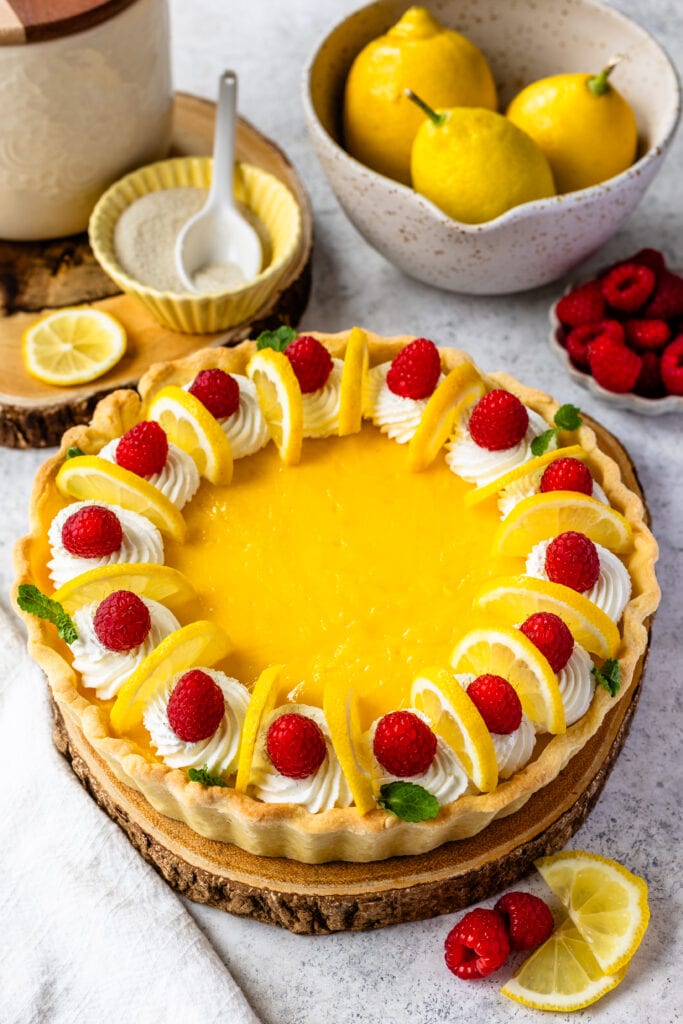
column 280, row 400
column 263, row 698
column 462, row 387
column 356, row 359
column 541, row 516
column 478, row 494
column 340, row 705
column 157, row 582
column 189, row 425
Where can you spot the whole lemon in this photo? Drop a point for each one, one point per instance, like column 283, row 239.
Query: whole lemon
column 584, row 126
column 417, row 53
column 475, row 164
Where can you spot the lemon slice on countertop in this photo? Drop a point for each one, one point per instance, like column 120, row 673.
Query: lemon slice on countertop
column 280, row 399
column 189, row 425
column 73, row 346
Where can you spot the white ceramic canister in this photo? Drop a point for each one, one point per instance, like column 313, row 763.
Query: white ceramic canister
column 85, row 96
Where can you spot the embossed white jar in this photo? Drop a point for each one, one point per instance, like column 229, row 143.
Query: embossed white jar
column 78, row 110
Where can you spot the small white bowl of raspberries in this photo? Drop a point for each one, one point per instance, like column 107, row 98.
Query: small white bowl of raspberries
column 621, row 334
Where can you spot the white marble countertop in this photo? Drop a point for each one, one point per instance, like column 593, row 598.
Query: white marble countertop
column 397, row 975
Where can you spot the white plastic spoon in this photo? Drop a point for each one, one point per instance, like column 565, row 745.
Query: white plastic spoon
column 218, row 243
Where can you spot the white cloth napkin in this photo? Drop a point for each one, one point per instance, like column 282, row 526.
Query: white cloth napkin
column 88, row 931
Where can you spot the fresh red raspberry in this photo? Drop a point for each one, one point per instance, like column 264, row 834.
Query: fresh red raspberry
column 122, row 621
column 672, row 366
column 649, row 383
column 196, row 706
column 403, row 744
column 497, row 703
column 628, row 286
column 647, row 335
column 582, row 305
column 498, row 421
column 311, row 362
column 217, row 391
column 92, row 532
column 414, row 372
column 567, row 474
column 667, row 300
column 651, row 258
column 580, row 338
column 527, row 918
column 614, row 366
column 296, row 745
column 551, row 636
column 478, row 945
column 572, row 559
column 143, row 449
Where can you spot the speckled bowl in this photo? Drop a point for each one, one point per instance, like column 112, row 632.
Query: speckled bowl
column 531, row 244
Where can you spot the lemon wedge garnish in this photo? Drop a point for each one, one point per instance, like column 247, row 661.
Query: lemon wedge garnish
column 262, row 701
column 356, row 360
column 478, row 494
column 340, row 705
column 280, row 399
column 157, row 582
column 509, row 653
column 189, row 425
column 73, row 346
column 89, row 478
column 462, row 387
column 541, row 516
column 200, row 643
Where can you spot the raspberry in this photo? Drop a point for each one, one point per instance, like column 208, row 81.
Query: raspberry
column 651, row 258
column 614, row 366
column 572, row 559
column 196, row 706
column 296, row 745
column 478, row 945
column 551, row 636
column 579, row 339
column 649, row 383
column 415, row 371
column 628, row 286
column 404, row 745
column 583, row 305
column 217, row 391
column 498, row 421
column 122, row 621
column 92, row 532
column 647, row 335
column 672, row 366
column 143, row 449
column 311, row 362
column 497, row 703
column 567, row 474
column 527, row 918
column 667, row 300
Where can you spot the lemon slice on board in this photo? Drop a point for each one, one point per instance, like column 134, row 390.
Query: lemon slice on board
column 541, row 516
column 462, row 387
column 515, row 598
column 73, row 346
column 454, row 717
column 157, row 582
column 356, row 359
column 189, row 425
column 509, row 653
column 262, row 701
column 200, row 643
column 280, row 399
column 340, row 705
column 478, row 494
column 89, row 478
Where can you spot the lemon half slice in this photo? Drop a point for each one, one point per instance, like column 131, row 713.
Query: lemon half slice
column 340, row 705
column 462, row 387
column 280, row 400
column 356, row 359
column 73, row 346
column 189, row 425
column 478, row 494
column 157, row 582
column 263, row 698
column 541, row 516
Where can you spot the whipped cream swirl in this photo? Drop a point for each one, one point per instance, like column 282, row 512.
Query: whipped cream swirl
column 513, row 749
column 106, row 671
column 321, row 791
column 610, row 592
column 479, row 465
column 219, row 751
column 397, row 417
column 246, row 430
column 141, row 543
column 446, row 779
column 321, row 407
column 577, row 684
column 177, row 480
column 526, row 486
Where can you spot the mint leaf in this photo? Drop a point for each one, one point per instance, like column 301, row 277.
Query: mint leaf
column 608, row 675
column 204, row 776
column 539, row 445
column 568, row 417
column 32, row 600
column 278, row 339
column 73, row 451
column 408, row 801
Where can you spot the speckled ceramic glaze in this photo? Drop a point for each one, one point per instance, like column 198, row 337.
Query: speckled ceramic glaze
column 524, row 40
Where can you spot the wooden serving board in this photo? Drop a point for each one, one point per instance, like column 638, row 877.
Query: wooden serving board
column 339, row 896
column 35, row 276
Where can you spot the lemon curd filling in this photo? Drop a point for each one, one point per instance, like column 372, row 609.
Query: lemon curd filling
column 345, row 565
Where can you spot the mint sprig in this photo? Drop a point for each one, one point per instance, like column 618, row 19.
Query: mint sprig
column 204, row 776
column 278, row 339
column 32, row 600
column 567, row 417
column 408, row 801
column 73, row 451
column 608, row 675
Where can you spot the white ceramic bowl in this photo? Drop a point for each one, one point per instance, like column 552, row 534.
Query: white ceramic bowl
column 531, row 244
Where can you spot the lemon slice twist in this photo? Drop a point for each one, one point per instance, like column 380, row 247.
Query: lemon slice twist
column 189, row 425
column 541, row 516
column 460, row 388
column 281, row 402
column 356, row 359
column 263, row 699
column 157, row 582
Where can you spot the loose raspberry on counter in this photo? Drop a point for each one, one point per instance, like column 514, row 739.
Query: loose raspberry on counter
column 414, row 372
column 572, row 559
column 497, row 702
column 667, row 300
column 647, row 335
column 311, row 362
column 478, row 945
column 580, row 338
column 403, row 744
column 92, row 532
column 196, row 706
column 672, row 366
column 143, row 449
column 528, row 919
column 218, row 391
column 628, row 286
column 567, row 474
column 296, row 745
column 614, row 366
column 498, row 421
column 122, row 621
column 582, row 305
column 551, row 636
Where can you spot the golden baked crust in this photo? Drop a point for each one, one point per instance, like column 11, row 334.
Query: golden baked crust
column 284, row 830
